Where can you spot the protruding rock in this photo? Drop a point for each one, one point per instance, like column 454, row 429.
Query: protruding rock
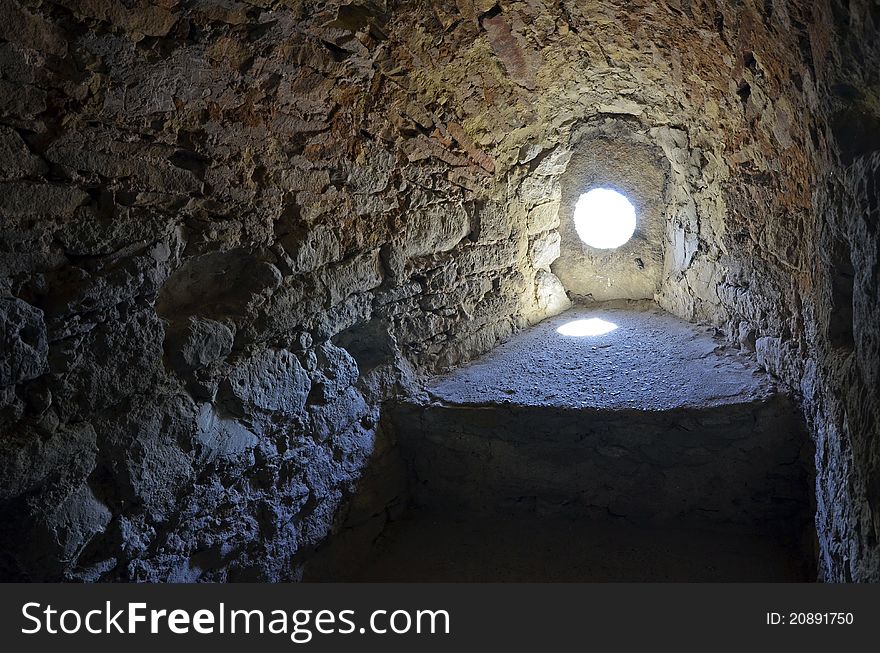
column 520, row 61
column 437, row 228
column 25, row 346
column 198, row 343
column 272, row 381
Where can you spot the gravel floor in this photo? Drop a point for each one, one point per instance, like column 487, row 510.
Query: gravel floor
column 651, row 361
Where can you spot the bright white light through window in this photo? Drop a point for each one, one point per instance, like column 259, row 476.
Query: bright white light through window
column 591, row 327
column 604, row 219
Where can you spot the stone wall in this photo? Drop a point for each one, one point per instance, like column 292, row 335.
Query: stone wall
column 201, row 201
column 630, row 165
column 231, row 229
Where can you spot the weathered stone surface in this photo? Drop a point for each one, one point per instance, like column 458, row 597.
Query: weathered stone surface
column 314, row 248
column 543, row 217
column 107, row 365
column 336, row 370
column 544, row 249
column 69, row 526
column 199, row 343
column 27, row 461
column 353, row 276
column 520, row 61
column 25, row 346
column 481, row 158
column 294, row 174
column 16, row 160
column 21, row 26
column 372, row 175
column 554, row 163
column 550, row 294
column 222, row 284
column 272, row 381
column 221, row 437
column 138, row 165
column 336, row 417
column 492, row 222
column 47, row 500
column 26, row 200
column 436, row 228
column 149, row 449
column 140, row 17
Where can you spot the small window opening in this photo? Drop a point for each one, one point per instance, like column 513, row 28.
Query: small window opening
column 604, row 219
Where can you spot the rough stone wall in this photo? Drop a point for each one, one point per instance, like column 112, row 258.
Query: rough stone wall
column 231, row 228
column 200, row 201
column 635, row 168
column 801, row 239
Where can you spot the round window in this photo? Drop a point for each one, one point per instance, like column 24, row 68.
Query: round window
column 604, row 219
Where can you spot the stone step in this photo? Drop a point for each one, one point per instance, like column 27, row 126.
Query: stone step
column 426, row 546
column 729, row 465
column 617, row 409
column 649, row 451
